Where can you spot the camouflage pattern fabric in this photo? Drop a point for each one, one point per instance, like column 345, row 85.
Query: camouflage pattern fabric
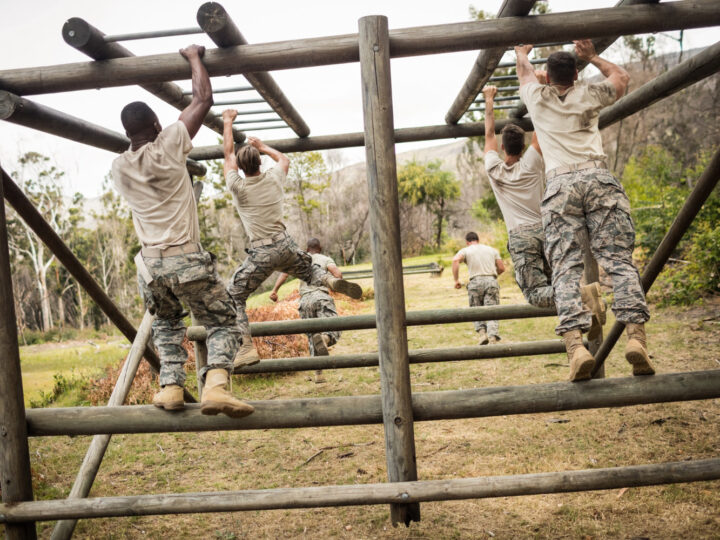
column 317, row 304
column 484, row 291
column 191, row 278
column 592, row 199
column 283, row 256
column 526, row 245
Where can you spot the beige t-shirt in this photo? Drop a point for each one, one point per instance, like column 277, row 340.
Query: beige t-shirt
column 322, row 261
column 518, row 187
column 259, row 201
column 567, row 126
column 480, row 259
column 156, row 185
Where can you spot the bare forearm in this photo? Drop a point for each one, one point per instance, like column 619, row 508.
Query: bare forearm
column 456, row 270
column 490, row 138
column 606, row 67
column 201, row 86
column 228, row 139
column 279, row 282
column 524, row 69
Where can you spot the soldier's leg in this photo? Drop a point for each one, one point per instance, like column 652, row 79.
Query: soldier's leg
column 491, row 297
column 325, row 308
column 246, row 279
column 306, row 311
column 531, row 269
column 475, row 297
column 563, row 223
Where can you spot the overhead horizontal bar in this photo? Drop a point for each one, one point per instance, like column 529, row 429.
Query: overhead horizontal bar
column 701, row 470
column 418, row 356
column 258, row 121
column 355, row 410
column 225, row 90
column 512, row 64
column 542, row 45
column 497, row 108
column 344, row 48
column 155, row 34
column 263, row 128
column 238, row 102
column 498, row 98
column 503, row 78
column 256, row 111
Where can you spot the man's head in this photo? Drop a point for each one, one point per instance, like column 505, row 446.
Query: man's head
column 248, row 159
column 471, row 237
column 513, row 140
column 313, row 246
column 561, row 68
column 139, row 120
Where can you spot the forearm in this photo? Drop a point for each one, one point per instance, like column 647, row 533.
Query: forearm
column 456, row 270
column 524, row 69
column 279, row 282
column 201, row 86
column 228, row 139
column 490, row 138
column 606, row 67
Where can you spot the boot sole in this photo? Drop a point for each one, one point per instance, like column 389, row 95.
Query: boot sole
column 641, row 366
column 248, row 362
column 348, row 288
column 171, row 406
column 319, row 346
column 213, row 408
column 583, row 371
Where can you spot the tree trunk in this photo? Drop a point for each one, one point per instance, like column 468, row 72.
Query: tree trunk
column 47, row 322
column 81, row 309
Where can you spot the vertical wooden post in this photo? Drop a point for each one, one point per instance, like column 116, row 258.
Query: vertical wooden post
column 14, row 452
column 374, row 47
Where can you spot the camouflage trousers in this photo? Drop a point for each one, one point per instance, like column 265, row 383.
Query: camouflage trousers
column 283, row 256
column 526, row 245
column 191, row 278
column 318, row 305
column 484, row 291
column 591, row 200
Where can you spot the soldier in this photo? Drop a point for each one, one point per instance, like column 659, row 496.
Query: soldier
column 581, row 194
column 258, row 198
column 315, row 303
column 518, row 184
column 484, row 265
column 172, row 265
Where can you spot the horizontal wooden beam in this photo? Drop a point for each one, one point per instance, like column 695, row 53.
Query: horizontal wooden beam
column 444, row 38
column 24, row 112
column 701, row 470
column 417, row 356
column 354, row 410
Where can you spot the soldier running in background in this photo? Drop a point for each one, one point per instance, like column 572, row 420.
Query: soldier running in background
column 316, row 303
column 258, row 199
column 484, row 265
column 581, row 195
column 172, row 265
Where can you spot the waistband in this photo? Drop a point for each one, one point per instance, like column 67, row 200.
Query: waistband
column 526, row 227
column 592, row 164
column 483, row 275
column 155, row 253
column 268, row 241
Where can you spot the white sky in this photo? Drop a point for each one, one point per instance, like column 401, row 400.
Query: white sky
column 328, row 98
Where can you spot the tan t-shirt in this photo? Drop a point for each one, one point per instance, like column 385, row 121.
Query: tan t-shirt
column 567, row 126
column 259, row 201
column 518, row 187
column 322, row 261
column 480, row 259
column 156, row 185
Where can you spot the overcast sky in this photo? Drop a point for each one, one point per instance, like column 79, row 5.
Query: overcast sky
column 328, row 98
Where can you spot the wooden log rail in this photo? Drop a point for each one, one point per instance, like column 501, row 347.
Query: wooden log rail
column 432, row 268
column 417, row 356
column 437, row 39
column 413, row 318
column 701, row 470
column 356, row 410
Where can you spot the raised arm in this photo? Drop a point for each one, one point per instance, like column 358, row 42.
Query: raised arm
column 523, row 67
column 230, row 163
column 278, row 283
column 585, row 50
column 202, row 99
column 263, row 148
column 457, row 259
column 491, row 143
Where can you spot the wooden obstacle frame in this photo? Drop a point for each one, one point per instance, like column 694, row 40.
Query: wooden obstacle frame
column 396, row 407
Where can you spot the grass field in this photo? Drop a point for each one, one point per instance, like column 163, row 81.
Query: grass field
column 682, row 340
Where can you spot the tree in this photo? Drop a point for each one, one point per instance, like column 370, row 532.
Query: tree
column 308, row 177
column 428, row 185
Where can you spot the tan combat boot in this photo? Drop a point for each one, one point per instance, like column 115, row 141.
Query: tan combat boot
column 216, row 398
column 581, row 361
column 591, row 296
column 482, row 337
column 636, row 350
column 348, row 288
column 170, row 398
column 494, row 340
column 247, row 354
column 319, row 379
column 320, row 344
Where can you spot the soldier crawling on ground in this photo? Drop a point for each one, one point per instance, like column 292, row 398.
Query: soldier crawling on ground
column 518, row 184
column 258, row 198
column 172, row 265
column 484, row 265
column 582, row 194
column 315, row 303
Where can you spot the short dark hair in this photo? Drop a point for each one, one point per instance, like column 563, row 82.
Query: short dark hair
column 137, row 117
column 561, row 68
column 248, row 158
column 314, row 245
column 513, row 139
column 471, row 237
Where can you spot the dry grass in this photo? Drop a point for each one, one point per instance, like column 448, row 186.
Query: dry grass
column 187, row 462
